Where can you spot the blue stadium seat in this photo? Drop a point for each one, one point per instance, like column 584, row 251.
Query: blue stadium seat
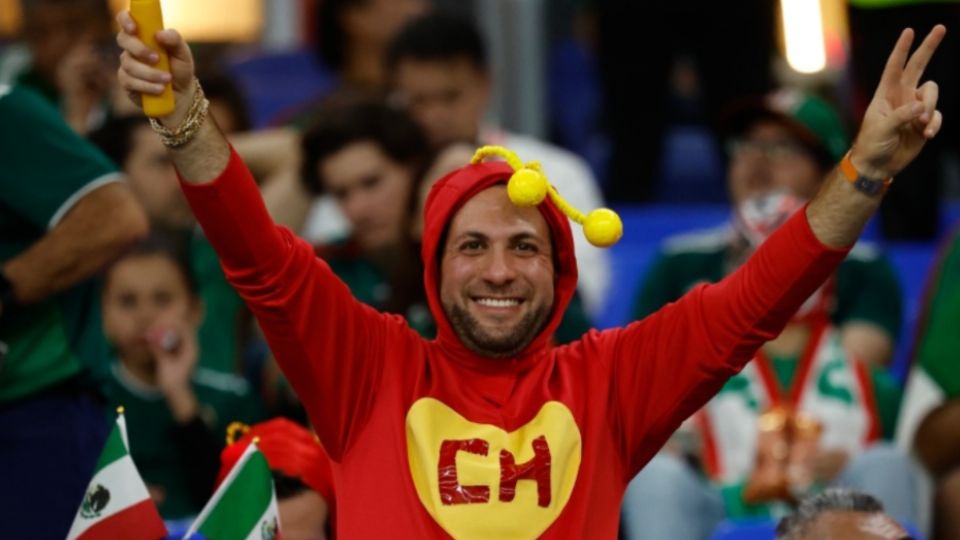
column 691, row 168
column 754, row 529
column 645, row 227
column 278, row 82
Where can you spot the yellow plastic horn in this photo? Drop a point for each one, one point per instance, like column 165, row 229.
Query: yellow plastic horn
column 528, row 186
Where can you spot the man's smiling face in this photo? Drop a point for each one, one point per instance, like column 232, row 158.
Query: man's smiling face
column 497, row 274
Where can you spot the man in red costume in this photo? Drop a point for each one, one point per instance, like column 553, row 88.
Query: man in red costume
column 489, row 431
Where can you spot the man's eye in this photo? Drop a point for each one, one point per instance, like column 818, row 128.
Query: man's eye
column 471, row 245
column 526, row 247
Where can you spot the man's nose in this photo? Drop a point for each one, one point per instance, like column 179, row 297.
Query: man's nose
column 499, row 267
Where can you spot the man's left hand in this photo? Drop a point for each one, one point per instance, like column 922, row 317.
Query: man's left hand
column 903, row 114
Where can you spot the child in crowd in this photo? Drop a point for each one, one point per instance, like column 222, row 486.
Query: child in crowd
column 175, row 411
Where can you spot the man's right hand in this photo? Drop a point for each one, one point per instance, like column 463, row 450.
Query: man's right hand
column 137, row 75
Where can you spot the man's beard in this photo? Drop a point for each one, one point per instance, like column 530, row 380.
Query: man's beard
column 473, row 336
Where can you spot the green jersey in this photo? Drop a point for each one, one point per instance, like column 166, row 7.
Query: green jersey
column 153, row 433
column 866, row 284
column 47, row 169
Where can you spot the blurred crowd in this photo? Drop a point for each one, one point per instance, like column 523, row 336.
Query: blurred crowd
column 110, row 295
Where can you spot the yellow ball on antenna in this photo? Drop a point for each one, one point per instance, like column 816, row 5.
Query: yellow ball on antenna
column 603, row 227
column 527, row 187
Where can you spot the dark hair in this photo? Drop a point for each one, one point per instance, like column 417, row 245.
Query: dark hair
column 159, row 245
column 335, row 128
column 438, row 37
column 287, row 486
column 221, row 86
column 99, row 9
column 831, row 500
column 115, row 136
column 331, row 39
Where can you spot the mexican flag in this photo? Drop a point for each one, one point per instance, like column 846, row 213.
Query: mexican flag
column 244, row 506
column 117, row 505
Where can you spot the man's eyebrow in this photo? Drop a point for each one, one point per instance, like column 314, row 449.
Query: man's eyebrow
column 475, row 235
column 527, row 236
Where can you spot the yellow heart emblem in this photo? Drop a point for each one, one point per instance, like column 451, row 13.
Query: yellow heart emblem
column 480, row 482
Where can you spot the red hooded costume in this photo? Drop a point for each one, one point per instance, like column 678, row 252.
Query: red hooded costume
column 430, row 440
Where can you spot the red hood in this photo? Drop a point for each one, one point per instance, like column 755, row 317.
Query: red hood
column 446, row 197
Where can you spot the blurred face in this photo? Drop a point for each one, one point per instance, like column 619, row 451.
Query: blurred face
column 768, row 157
column 302, row 517
column 153, row 179
column 447, row 98
column 496, row 274
column 854, row 526
column 56, row 27
column 376, row 22
column 139, row 291
column 372, row 190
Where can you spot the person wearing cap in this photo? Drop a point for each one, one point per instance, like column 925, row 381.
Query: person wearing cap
column 782, row 144
column 804, row 414
column 301, row 474
column 489, row 431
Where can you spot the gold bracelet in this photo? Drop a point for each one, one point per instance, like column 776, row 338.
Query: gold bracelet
column 188, row 129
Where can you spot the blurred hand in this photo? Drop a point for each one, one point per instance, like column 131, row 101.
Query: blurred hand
column 173, row 344
column 902, row 114
column 84, row 80
column 137, row 76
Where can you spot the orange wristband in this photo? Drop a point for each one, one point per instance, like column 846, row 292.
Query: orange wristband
column 869, row 186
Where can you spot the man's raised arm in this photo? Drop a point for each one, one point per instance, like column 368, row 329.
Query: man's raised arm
column 329, row 346
column 901, row 117
column 675, row 360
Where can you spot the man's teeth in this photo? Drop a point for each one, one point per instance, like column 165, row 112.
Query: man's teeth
column 498, row 302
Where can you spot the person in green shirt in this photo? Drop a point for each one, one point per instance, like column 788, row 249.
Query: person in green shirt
column 175, row 410
column 129, row 142
column 784, row 142
column 64, row 214
column 930, row 419
column 71, row 59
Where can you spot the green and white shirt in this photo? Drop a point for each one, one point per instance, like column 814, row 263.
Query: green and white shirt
column 855, row 405
column 47, row 169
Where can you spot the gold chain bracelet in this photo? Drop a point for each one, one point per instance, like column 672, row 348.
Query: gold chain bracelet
column 188, row 129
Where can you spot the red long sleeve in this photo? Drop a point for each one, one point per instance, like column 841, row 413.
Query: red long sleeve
column 329, row 346
column 671, row 363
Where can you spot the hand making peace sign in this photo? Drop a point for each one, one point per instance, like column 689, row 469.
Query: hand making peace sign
column 903, row 113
